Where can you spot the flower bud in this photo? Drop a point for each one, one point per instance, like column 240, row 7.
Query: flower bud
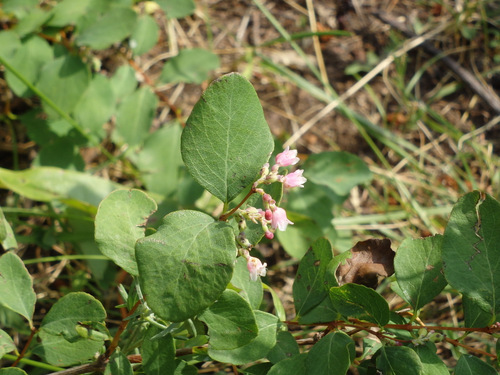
column 279, row 220
column 287, row 157
column 294, row 179
column 256, row 268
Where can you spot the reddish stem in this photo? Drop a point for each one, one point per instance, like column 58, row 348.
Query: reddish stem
column 121, row 328
column 25, row 348
column 226, row 215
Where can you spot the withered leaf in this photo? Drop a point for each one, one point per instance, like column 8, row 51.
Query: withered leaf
column 370, row 262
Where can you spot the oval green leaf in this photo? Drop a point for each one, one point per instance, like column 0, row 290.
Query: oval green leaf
column 332, row 355
column 226, row 140
column 399, row 360
column 186, row 265
column 158, row 355
column 16, row 286
column 120, row 221
column 189, row 66
column 419, row 269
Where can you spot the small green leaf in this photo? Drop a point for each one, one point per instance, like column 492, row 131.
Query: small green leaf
column 6, row 343
column 285, row 347
column 120, row 221
column 399, row 360
column 32, row 22
column 470, row 365
column 134, row 117
column 431, row 363
column 359, row 301
column 310, row 286
column 16, row 286
column 339, row 171
column 63, row 80
column 108, row 28
column 189, row 66
column 471, row 251
column 295, row 365
column 249, row 289
column 177, row 8
column 118, row 364
column 61, row 343
column 145, row 35
column 231, row 322
column 186, row 265
column 256, row 349
column 226, row 140
column 7, row 238
column 158, row 355
column 419, row 269
column 332, row 355
column 123, row 82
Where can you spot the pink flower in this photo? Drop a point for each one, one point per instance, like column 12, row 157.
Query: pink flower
column 256, row 268
column 294, row 179
column 287, row 158
column 279, row 220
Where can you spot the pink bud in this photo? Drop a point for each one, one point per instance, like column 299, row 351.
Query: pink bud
column 256, row 268
column 269, row 235
column 279, row 220
column 287, row 158
column 268, row 215
column 294, row 179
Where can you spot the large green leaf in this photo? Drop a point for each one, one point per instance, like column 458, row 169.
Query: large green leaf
column 62, row 342
column 120, row 221
column 48, row 183
column 399, row 360
column 189, row 66
column 310, row 287
column 16, row 286
column 339, row 171
column 332, row 355
column 256, row 349
column 431, row 363
column 63, row 80
column 359, row 301
column 471, row 251
column 108, row 28
column 295, row 365
column 186, row 265
column 226, row 140
column 134, row 117
column 158, row 355
column 231, row 322
column 419, row 269
column 286, row 347
column 470, row 365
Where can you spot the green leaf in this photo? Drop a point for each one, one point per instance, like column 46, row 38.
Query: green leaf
column 431, row 363
column 295, row 365
column 9, row 43
column 67, row 12
column 7, row 238
column 135, row 116
column 298, row 237
column 186, row 265
column 256, row 349
column 12, row 371
column 310, row 287
column 182, row 368
column 63, row 80
column 419, row 270
column 108, row 28
column 338, row 171
column 189, row 66
column 323, row 313
column 61, row 153
column 6, row 343
column 96, row 106
column 16, row 286
column 231, row 322
column 120, row 221
column 399, row 360
column 19, row 8
column 47, row 183
column 28, row 60
column 332, row 355
column 177, row 8
column 61, row 342
column 158, row 355
column 285, row 347
column 226, row 140
column 123, row 82
column 359, row 301
column 476, row 313
column 471, row 251
column 252, row 291
column 160, row 160
column 118, row 364
column 145, row 35
column 470, row 365
column 32, row 22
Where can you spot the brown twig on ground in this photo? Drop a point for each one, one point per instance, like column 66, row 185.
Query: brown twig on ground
column 467, row 77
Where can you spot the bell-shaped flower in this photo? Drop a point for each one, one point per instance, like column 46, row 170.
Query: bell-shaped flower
column 256, row 268
column 294, row 179
column 287, row 157
column 279, row 220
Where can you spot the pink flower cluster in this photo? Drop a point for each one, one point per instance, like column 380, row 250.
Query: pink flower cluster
column 272, row 217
